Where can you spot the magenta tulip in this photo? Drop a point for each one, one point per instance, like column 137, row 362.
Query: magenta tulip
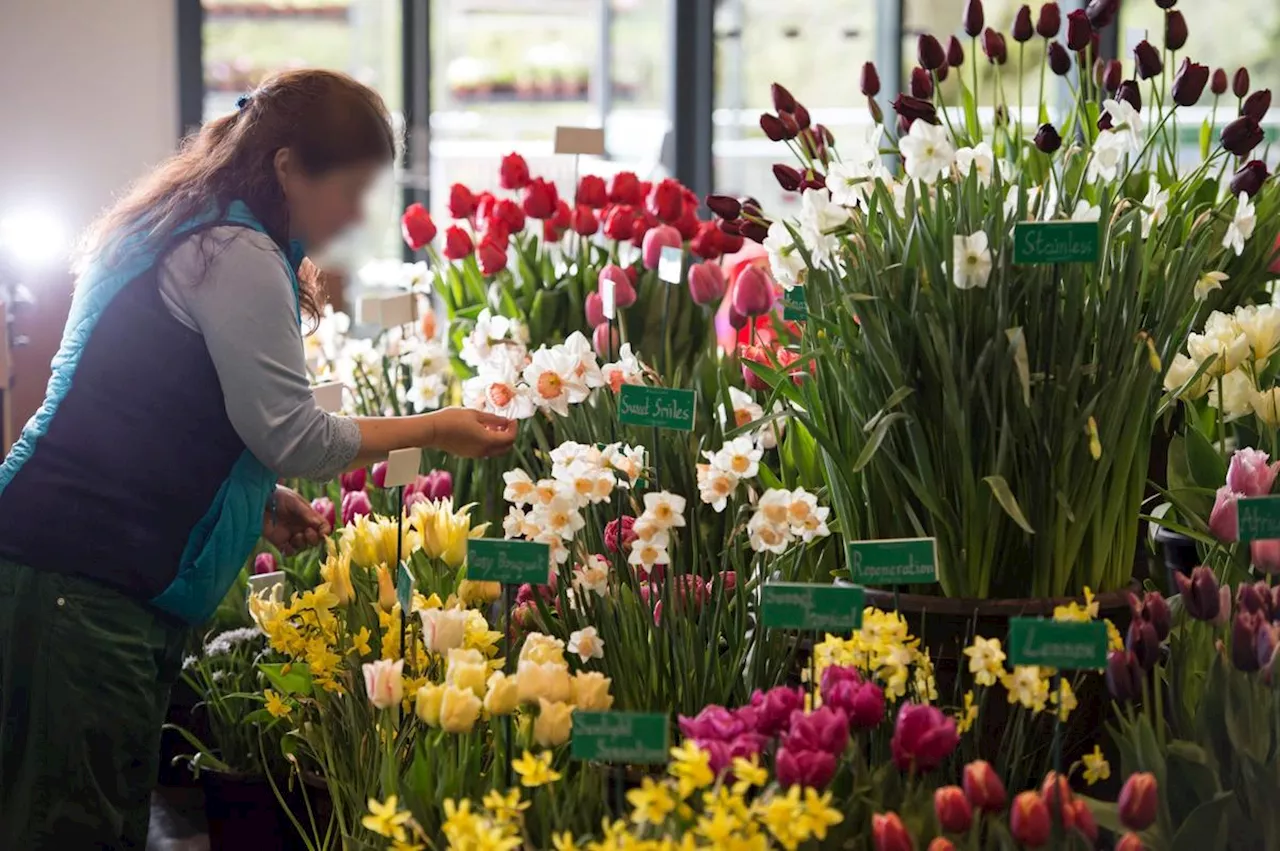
column 813, row 769
column 355, row 504
column 323, row 506
column 923, row 737
column 706, row 282
column 264, row 563
column 656, row 239
column 753, row 292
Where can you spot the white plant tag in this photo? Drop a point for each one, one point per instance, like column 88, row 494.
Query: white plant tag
column 580, row 140
column 329, row 396
column 608, row 302
column 402, row 467
column 671, row 264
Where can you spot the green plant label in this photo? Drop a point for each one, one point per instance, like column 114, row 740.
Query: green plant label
column 905, row 561
column 1259, row 518
column 806, row 606
column 662, row 407
column 623, row 737
column 1047, row 243
column 795, row 308
column 508, row 562
column 1058, row 644
column 671, row 264
column 404, row 587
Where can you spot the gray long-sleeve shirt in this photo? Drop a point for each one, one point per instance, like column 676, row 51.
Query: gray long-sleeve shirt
column 231, row 285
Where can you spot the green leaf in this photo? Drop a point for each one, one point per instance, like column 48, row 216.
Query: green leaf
column 297, row 681
column 1206, row 139
column 1202, row 829
column 895, row 399
column 1207, row 467
column 971, row 123
column 1018, row 342
column 1004, row 496
column 877, row 437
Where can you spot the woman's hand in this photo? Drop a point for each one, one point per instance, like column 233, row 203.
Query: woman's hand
column 294, row 525
column 471, row 434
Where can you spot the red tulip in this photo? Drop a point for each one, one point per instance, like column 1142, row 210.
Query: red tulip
column 1056, row 792
column 1049, row 24
column 954, row 812
column 625, row 189
column 941, row 843
column 457, row 243
column 983, row 787
column 617, row 224
column 1138, row 801
column 1079, row 32
column 754, row 354
column 355, row 504
column 514, row 172
column 417, row 227
column 663, row 236
column 323, row 506
column 706, row 283
column 666, row 200
column 888, row 833
column 585, row 221
column 1130, row 842
column 554, row 227
column 508, row 215
column 687, row 225
column 540, row 197
column 641, row 224
column 1029, row 820
column 462, row 204
column 813, row 769
column 592, row 192
column 708, row 242
column 1082, row 818
column 492, row 255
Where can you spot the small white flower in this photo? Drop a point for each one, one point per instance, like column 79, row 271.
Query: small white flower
column 559, row 551
column 775, row 506
column 861, row 148
column 1108, row 152
column 627, row 460
column 553, row 380
column 587, row 643
column 516, row 523
column 767, row 537
column 1126, row 122
column 647, row 554
column 818, row 212
column 564, row 455
column 426, row 390
column 627, row 370
column 979, row 157
column 497, row 389
column 1242, row 225
column 852, row 183
column 972, row 261
column 560, row 516
column 665, row 509
column 900, row 191
column 593, row 576
column 715, row 486
column 587, row 368
column 1012, row 199
column 784, row 260
column 1157, row 208
column 1209, row 282
column 518, row 488
column 739, row 456
column 927, row 151
column 588, row 481
column 544, row 490
column 1086, row 212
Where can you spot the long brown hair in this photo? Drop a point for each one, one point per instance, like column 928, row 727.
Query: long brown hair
column 327, row 119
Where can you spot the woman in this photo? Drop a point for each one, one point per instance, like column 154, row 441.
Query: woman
column 178, row 398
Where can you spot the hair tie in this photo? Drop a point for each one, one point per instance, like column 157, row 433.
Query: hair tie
column 243, row 101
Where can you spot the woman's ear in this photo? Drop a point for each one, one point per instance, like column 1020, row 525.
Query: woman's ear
column 284, row 166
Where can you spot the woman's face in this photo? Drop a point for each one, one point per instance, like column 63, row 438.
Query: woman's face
column 323, row 206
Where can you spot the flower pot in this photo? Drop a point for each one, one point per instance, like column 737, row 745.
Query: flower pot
column 1180, row 555
column 242, row 812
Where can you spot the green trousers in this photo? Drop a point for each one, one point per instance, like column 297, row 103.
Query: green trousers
column 85, row 674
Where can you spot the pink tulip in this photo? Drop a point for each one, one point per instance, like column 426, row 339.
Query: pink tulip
column 706, row 282
column 774, row 708
column 753, row 292
column 624, row 291
column 354, row 480
column 594, row 310
column 438, row 484
column 1223, row 518
column 804, row 768
column 380, row 474
column 713, row 722
column 1265, row 556
column 323, row 506
column 825, row 729
column 656, row 239
column 611, row 534
column 862, row 702
column 600, row 339
column 924, row 736
column 1249, row 474
column 355, row 504
column 264, row 563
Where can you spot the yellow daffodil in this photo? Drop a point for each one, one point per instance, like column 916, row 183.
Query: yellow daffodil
column 968, row 715
column 1064, row 698
column 535, row 771
column 1115, row 641
column 784, row 817
column 691, row 767
column 1096, row 767
column 564, row 841
column 277, row 707
column 651, row 803
column 986, row 660
column 819, row 813
column 506, row 807
column 360, row 641
column 384, row 819
column 749, row 774
column 397, row 845
column 1027, row 687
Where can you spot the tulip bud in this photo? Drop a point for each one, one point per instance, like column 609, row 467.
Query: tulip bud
column 1189, row 83
column 1102, row 13
column 994, row 46
column 1130, row 94
column 584, row 221
column 773, row 127
column 1112, row 75
column 1148, row 60
column 1142, row 643
column 1156, row 610
column 1257, row 104
column 870, row 80
column 1082, row 818
column 921, row 84
column 323, row 506
column 1079, row 32
column 954, row 812
column 1049, row 24
column 888, row 833
column 1240, row 83
column 1124, row 675
column 513, row 172
column 1241, row 136
column 1059, row 59
column 788, row 177
column 1244, row 640
column 955, row 52
column 753, row 292
column 1029, row 820
column 1199, row 593
column 594, row 309
column 915, row 109
column 264, row 563
column 1219, row 83
column 974, row 18
column 1022, row 30
column 1130, row 842
column 656, row 239
column 1249, row 180
column 941, row 843
column 1265, row 645
column 983, row 787
column 930, row 53
column 1137, row 804
column 1175, row 30
column 782, row 99
column 706, row 282
column 1253, row 597
column 801, row 116
column 724, row 206
column 1048, row 139
column 1056, row 792
column 416, row 227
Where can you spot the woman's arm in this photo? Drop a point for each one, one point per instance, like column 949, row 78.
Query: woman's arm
column 457, row 431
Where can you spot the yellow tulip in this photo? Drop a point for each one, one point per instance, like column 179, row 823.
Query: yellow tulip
column 386, row 589
column 467, row 669
column 459, row 709
column 478, row 593
column 501, row 698
column 591, row 691
column 427, row 705
column 553, row 724
column 548, row 681
column 337, row 572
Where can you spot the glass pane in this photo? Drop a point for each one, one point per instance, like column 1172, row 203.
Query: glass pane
column 246, row 41
column 759, row 42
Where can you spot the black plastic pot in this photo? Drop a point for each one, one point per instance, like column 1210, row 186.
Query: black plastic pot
column 243, row 812
column 1180, row 555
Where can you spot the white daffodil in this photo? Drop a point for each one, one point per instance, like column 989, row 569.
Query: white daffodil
column 561, row 516
column 784, row 260
column 739, row 456
column 775, row 506
column 1086, row 212
column 927, row 151
column 818, row 212
column 626, row 370
column 1012, row 199
column 1208, row 282
column 1157, row 208
column 861, row 148
column 665, row 509
column 553, row 380
column 1126, row 122
column 767, row 537
column 715, row 486
column 559, row 550
column 627, row 460
column 1242, row 225
column 518, row 487
column 648, row 554
column 852, row 183
column 498, row 389
column 516, row 523
column 426, row 391
column 591, row 483
column 972, row 261
column 979, row 157
column 587, row 643
column 1108, row 152
column 564, row 455
column 900, row 191
column 586, row 368
column 593, row 576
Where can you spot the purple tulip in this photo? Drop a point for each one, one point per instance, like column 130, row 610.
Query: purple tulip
column 354, row 480
column 1124, row 675
column 774, row 708
column 825, row 730
column 923, row 737
column 1244, row 640
column 1199, row 593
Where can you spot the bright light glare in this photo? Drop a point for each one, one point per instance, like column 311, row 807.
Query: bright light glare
column 32, row 238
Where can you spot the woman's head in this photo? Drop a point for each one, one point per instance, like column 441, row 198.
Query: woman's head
column 301, row 151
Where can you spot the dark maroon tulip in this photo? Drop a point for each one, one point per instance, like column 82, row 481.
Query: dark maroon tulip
column 1253, row 597
column 942, row 72
column 974, row 18
column 1219, row 82
column 1148, row 60
column 1200, row 595
column 1189, row 83
column 1048, row 139
column 1175, row 30
column 904, row 125
column 1166, row 4
column 994, row 46
column 915, row 109
column 788, row 178
column 801, row 116
column 824, row 134
column 955, row 53
column 1266, row 645
column 1112, row 74
column 1102, row 13
column 732, row 227
column 930, row 53
column 1241, row 136
column 1240, row 83
column 1059, row 59
column 782, row 99
column 1124, row 675
column 1244, row 640
column 1144, row 643
column 870, row 80
column 1105, row 122
column 877, row 114
column 921, row 84
column 1130, row 94
column 1249, row 180
column 1257, row 104
column 1022, row 30
column 755, row 231
column 1049, row 24
column 1079, row 33
column 724, row 206
column 790, row 126
column 1156, row 610
column 773, row 127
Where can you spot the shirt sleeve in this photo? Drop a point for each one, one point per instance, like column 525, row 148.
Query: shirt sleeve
column 232, row 286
